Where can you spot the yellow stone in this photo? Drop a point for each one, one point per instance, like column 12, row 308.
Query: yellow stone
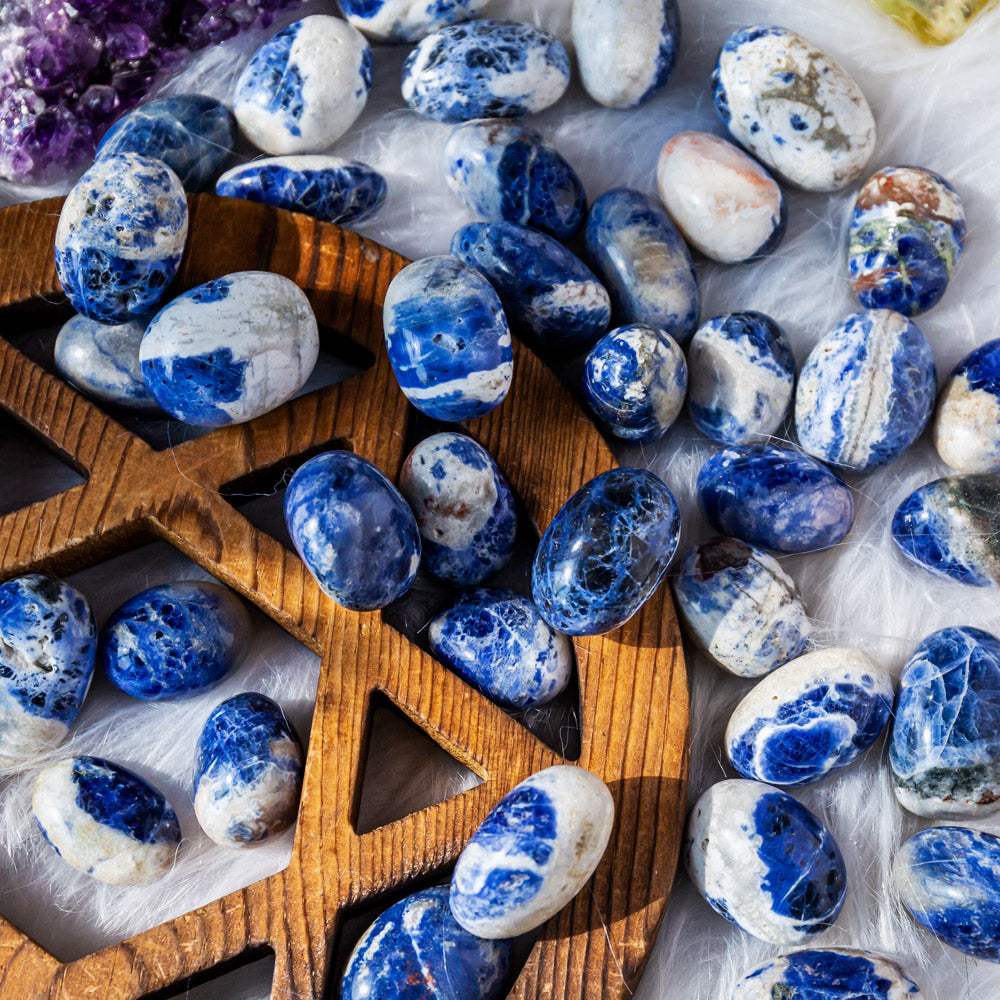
column 935, row 22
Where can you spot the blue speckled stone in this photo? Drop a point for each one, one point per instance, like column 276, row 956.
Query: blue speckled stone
column 48, row 643
column 945, row 746
column 175, row 640
column 949, row 879
column 499, row 643
column 547, row 293
column 407, row 20
column 192, row 134
column 634, row 379
column 120, row 237
column 776, row 498
column 416, row 951
column 764, row 861
column 644, row 262
column 463, row 505
column 967, row 422
column 866, row 391
column 354, row 531
column 326, row 187
column 605, row 552
column 105, row 821
column 485, row 69
column 951, row 528
column 741, row 374
column 448, row 339
column 248, row 772
column 507, row 172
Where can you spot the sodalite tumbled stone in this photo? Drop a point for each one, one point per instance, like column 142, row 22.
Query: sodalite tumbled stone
column 776, row 498
column 866, row 391
column 48, row 644
column 605, row 552
column 741, row 608
column 945, row 746
column 906, row 236
column 175, row 640
column 463, row 505
column 499, row 643
column 764, row 861
column 485, row 69
column 192, row 134
column 644, row 262
column 793, row 107
column 726, row 204
column 407, row 20
column 967, row 421
column 353, row 529
column 325, row 187
column 634, row 379
column 105, row 821
column 417, row 949
column 248, row 772
column 811, row 716
column 448, row 339
column 507, row 172
column 533, row 853
column 120, row 237
column 231, row 349
column 741, row 374
column 951, row 528
column 305, row 86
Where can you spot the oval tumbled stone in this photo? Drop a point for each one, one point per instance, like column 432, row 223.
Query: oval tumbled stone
column 533, row 853
column 407, row 20
column 967, row 421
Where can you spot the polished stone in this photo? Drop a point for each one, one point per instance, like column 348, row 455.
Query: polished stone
column 407, row 20
column 967, row 421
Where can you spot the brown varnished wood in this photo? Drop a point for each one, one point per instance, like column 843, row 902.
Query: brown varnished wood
column 633, row 701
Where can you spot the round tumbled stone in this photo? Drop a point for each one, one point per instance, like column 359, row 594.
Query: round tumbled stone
column 967, row 421
column 407, row 20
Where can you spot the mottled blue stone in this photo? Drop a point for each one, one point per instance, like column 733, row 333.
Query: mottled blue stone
column 605, row 552
column 192, row 134
column 967, row 422
column 644, row 262
column 407, row 20
column 547, row 293
column 174, row 641
column 776, row 498
column 417, row 951
column 354, row 531
column 507, row 172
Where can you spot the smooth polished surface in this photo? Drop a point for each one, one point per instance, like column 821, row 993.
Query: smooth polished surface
column 967, row 422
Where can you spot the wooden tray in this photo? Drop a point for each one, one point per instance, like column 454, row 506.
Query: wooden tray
column 634, row 710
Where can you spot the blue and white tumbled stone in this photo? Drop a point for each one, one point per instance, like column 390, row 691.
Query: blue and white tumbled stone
column 625, row 51
column 498, row 642
column 175, row 640
column 192, row 134
column 353, row 529
column 776, row 498
column 813, row 715
column 741, row 374
column 741, row 608
column 644, row 262
column 945, row 746
column 120, row 237
column 448, row 339
column 417, row 949
column 634, row 379
column 326, row 187
column 105, row 821
column 866, row 391
column 828, row 974
column 764, row 861
column 248, row 772
column 793, row 107
column 485, row 69
column 967, row 422
column 48, row 645
column 407, row 20
column 948, row 877
column 605, row 552
column 231, row 349
column 463, row 505
column 305, row 86
column 533, row 853
column 547, row 292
